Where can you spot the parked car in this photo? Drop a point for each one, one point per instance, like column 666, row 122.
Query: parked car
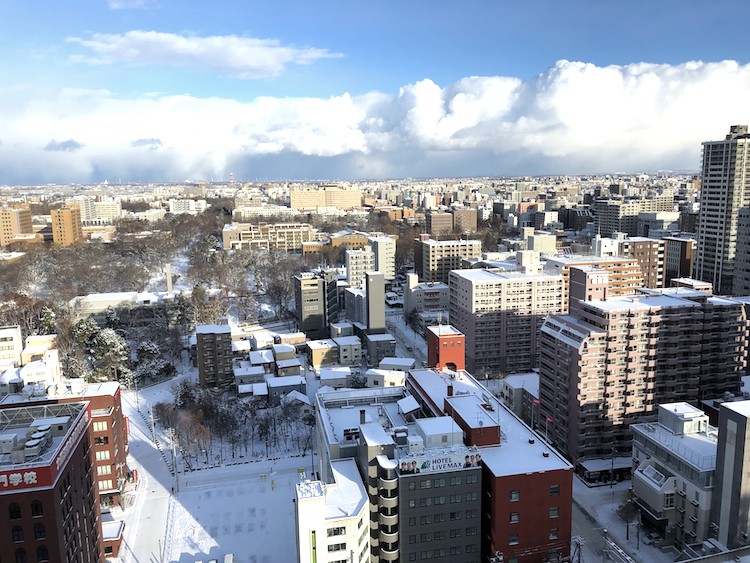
column 652, row 538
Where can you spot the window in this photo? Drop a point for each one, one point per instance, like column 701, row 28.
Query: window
column 100, row 426
column 425, row 484
column 513, row 517
column 669, row 500
column 103, row 455
column 439, row 535
column 413, row 538
column 455, row 481
column 553, row 534
column 471, row 513
column 455, row 498
column 412, row 521
column 425, row 520
column 439, row 500
column 471, row 496
column 21, row 556
column 515, row 495
column 39, row 532
column 426, row 554
column 15, row 511
column 105, row 485
column 471, row 531
column 455, row 550
column 103, row 469
column 101, row 440
column 513, row 539
column 554, row 512
column 554, row 490
column 425, row 537
column 455, row 533
column 439, row 518
column 469, row 479
column 552, row 556
column 412, row 503
column 17, row 533
column 439, row 482
column 455, row 516
column 359, row 524
column 36, row 508
column 336, row 547
column 471, row 548
column 412, row 485
column 42, row 554
column 423, row 502
column 338, row 531
column 513, row 559
column 412, row 557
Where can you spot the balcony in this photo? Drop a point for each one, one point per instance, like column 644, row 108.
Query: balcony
column 389, row 552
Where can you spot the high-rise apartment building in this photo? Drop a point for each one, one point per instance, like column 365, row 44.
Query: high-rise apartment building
column 317, row 302
column 730, row 513
column 614, row 359
column 501, row 314
column 67, row 228
column 86, row 204
column 214, row 343
column 358, row 263
column 14, row 221
column 624, row 273
column 741, row 279
column 439, row 223
column 650, row 255
column 679, row 254
column 434, row 259
column 385, row 256
column 725, row 189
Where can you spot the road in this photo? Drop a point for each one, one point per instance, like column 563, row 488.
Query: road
column 403, row 340
column 592, row 533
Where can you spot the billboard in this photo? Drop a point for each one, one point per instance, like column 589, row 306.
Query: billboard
column 438, row 462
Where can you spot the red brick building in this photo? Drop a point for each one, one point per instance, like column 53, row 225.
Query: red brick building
column 48, row 497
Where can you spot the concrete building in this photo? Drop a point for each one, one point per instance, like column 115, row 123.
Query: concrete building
column 14, row 221
column 679, row 254
column 214, row 343
column 438, row 223
column 186, row 206
column 661, row 221
column 464, row 220
column 434, row 260
column 731, row 507
column 725, row 189
column 333, row 519
column 359, row 262
column 108, row 210
column 385, row 256
column 544, row 218
column 674, row 468
column 624, row 273
column 741, row 279
column 543, row 243
column 67, row 228
column 325, row 196
column 11, row 346
column 429, row 296
column 501, row 314
column 379, row 346
column 86, row 204
column 48, row 490
column 316, row 302
column 520, row 392
column 621, row 215
column 375, row 284
column 650, row 255
column 612, row 360
column 285, row 236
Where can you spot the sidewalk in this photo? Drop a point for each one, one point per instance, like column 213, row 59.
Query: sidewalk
column 601, row 503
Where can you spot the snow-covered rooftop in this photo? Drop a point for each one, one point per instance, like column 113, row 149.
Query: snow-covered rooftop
column 286, row 364
column 740, row 407
column 347, row 341
column 444, row 330
column 380, row 337
column 401, row 362
column 213, row 329
column 273, row 381
column 321, row 344
column 261, row 357
column 528, row 381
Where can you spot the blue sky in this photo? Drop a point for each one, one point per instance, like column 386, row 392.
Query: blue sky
column 163, row 90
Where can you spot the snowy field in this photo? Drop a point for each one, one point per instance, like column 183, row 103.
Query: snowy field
column 249, row 516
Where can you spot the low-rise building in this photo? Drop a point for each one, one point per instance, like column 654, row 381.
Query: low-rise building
column 428, row 296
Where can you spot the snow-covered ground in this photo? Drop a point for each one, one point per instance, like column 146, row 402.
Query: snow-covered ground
column 180, row 264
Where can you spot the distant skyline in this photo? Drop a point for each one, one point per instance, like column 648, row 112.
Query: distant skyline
column 147, row 90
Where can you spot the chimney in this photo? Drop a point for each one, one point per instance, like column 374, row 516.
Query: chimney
column 169, row 279
column 450, row 389
column 361, row 416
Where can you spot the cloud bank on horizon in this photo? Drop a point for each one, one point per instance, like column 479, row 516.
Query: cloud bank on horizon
column 572, row 118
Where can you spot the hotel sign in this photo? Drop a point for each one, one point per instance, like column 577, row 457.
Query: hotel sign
column 436, row 463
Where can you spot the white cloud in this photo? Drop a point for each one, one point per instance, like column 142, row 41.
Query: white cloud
column 132, row 4
column 243, row 57
column 574, row 117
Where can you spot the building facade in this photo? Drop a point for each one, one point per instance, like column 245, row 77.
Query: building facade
column 613, row 360
column 679, row 254
column 358, row 263
column 650, row 255
column 433, row 260
column 284, row 236
column 67, row 228
column 725, row 189
column 420, row 297
column 14, row 221
column 317, row 302
column 214, row 344
column 501, row 314
column 438, row 223
column 385, row 256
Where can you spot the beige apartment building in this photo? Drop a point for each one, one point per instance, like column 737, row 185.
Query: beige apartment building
column 433, row 260
column 67, row 228
column 325, row 196
column 439, row 223
column 625, row 275
column 613, row 360
column 286, row 236
column 14, row 221
column 501, row 314
column 650, row 254
column 621, row 215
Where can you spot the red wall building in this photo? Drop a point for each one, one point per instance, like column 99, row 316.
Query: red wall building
column 445, row 348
